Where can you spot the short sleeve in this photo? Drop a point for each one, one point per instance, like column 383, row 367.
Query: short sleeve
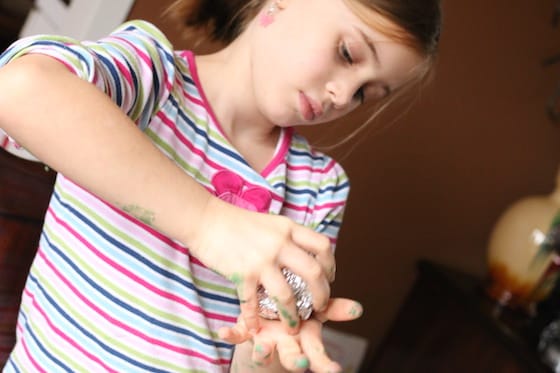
column 134, row 65
column 332, row 196
column 316, row 190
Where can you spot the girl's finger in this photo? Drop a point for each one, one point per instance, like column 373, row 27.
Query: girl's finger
column 291, row 355
column 308, row 268
column 318, row 245
column 340, row 309
column 262, row 352
column 248, row 304
column 234, row 335
column 314, row 349
column 282, row 295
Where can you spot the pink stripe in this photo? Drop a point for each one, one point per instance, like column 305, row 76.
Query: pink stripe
column 194, row 75
column 30, row 357
column 168, row 241
column 180, row 136
column 68, row 66
column 165, row 239
column 280, row 156
column 324, row 170
column 147, row 60
column 59, row 332
column 196, row 100
column 5, row 142
column 125, row 72
column 124, row 326
column 138, row 279
column 171, row 124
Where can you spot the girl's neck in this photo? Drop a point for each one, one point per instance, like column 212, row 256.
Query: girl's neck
column 225, row 77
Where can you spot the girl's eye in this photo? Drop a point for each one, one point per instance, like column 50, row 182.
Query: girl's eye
column 359, row 95
column 347, row 57
column 345, row 54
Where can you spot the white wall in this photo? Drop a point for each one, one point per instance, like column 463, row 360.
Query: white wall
column 82, row 19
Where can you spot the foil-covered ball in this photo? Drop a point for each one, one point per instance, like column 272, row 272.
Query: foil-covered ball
column 304, row 301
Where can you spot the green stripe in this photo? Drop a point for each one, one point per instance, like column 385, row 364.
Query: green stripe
column 98, row 332
column 137, row 107
column 193, row 171
column 120, row 292
column 143, row 249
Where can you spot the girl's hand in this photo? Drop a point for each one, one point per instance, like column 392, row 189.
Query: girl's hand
column 294, row 353
column 251, row 248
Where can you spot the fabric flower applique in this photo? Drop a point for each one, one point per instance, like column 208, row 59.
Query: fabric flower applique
column 231, row 188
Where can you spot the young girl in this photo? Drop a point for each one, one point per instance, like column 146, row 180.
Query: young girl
column 182, row 186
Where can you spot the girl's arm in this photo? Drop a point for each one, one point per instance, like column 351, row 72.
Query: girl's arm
column 73, row 127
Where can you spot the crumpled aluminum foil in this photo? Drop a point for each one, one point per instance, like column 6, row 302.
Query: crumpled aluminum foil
column 304, row 301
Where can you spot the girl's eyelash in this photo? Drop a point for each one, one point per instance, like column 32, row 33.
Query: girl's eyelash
column 345, row 53
column 359, row 95
column 347, row 57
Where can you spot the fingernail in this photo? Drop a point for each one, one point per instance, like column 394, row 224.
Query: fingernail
column 302, row 363
column 356, row 310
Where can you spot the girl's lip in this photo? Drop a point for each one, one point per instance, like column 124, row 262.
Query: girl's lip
column 309, row 108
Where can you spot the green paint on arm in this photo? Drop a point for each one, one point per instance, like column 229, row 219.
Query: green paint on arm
column 236, row 278
column 140, row 213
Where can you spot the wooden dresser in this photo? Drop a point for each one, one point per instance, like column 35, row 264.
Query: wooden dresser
column 25, row 189
column 447, row 324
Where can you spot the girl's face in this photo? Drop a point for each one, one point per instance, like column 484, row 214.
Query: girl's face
column 317, row 61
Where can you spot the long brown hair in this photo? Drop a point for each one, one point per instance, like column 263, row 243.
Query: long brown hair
column 224, row 20
column 214, row 20
column 416, row 23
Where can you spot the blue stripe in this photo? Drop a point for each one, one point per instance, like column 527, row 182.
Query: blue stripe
column 200, row 132
column 136, row 266
column 52, row 358
column 306, row 154
column 134, row 80
column 57, row 44
column 126, row 306
column 91, row 336
column 12, row 365
column 335, row 188
column 155, row 91
column 137, row 256
column 116, row 78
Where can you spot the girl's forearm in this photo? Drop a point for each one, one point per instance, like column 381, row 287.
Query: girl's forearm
column 77, row 130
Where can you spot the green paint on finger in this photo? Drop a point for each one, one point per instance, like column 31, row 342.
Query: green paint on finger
column 356, row 310
column 236, row 278
column 302, row 363
column 285, row 314
column 291, row 321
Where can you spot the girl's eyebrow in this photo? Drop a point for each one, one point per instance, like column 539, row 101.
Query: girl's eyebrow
column 370, row 44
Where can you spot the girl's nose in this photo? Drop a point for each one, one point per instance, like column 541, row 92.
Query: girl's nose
column 341, row 94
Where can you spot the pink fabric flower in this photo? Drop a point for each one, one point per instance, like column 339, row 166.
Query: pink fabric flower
column 231, row 188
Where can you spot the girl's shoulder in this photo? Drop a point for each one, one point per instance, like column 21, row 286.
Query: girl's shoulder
column 302, row 155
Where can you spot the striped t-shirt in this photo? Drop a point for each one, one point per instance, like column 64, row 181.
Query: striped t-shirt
column 107, row 292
